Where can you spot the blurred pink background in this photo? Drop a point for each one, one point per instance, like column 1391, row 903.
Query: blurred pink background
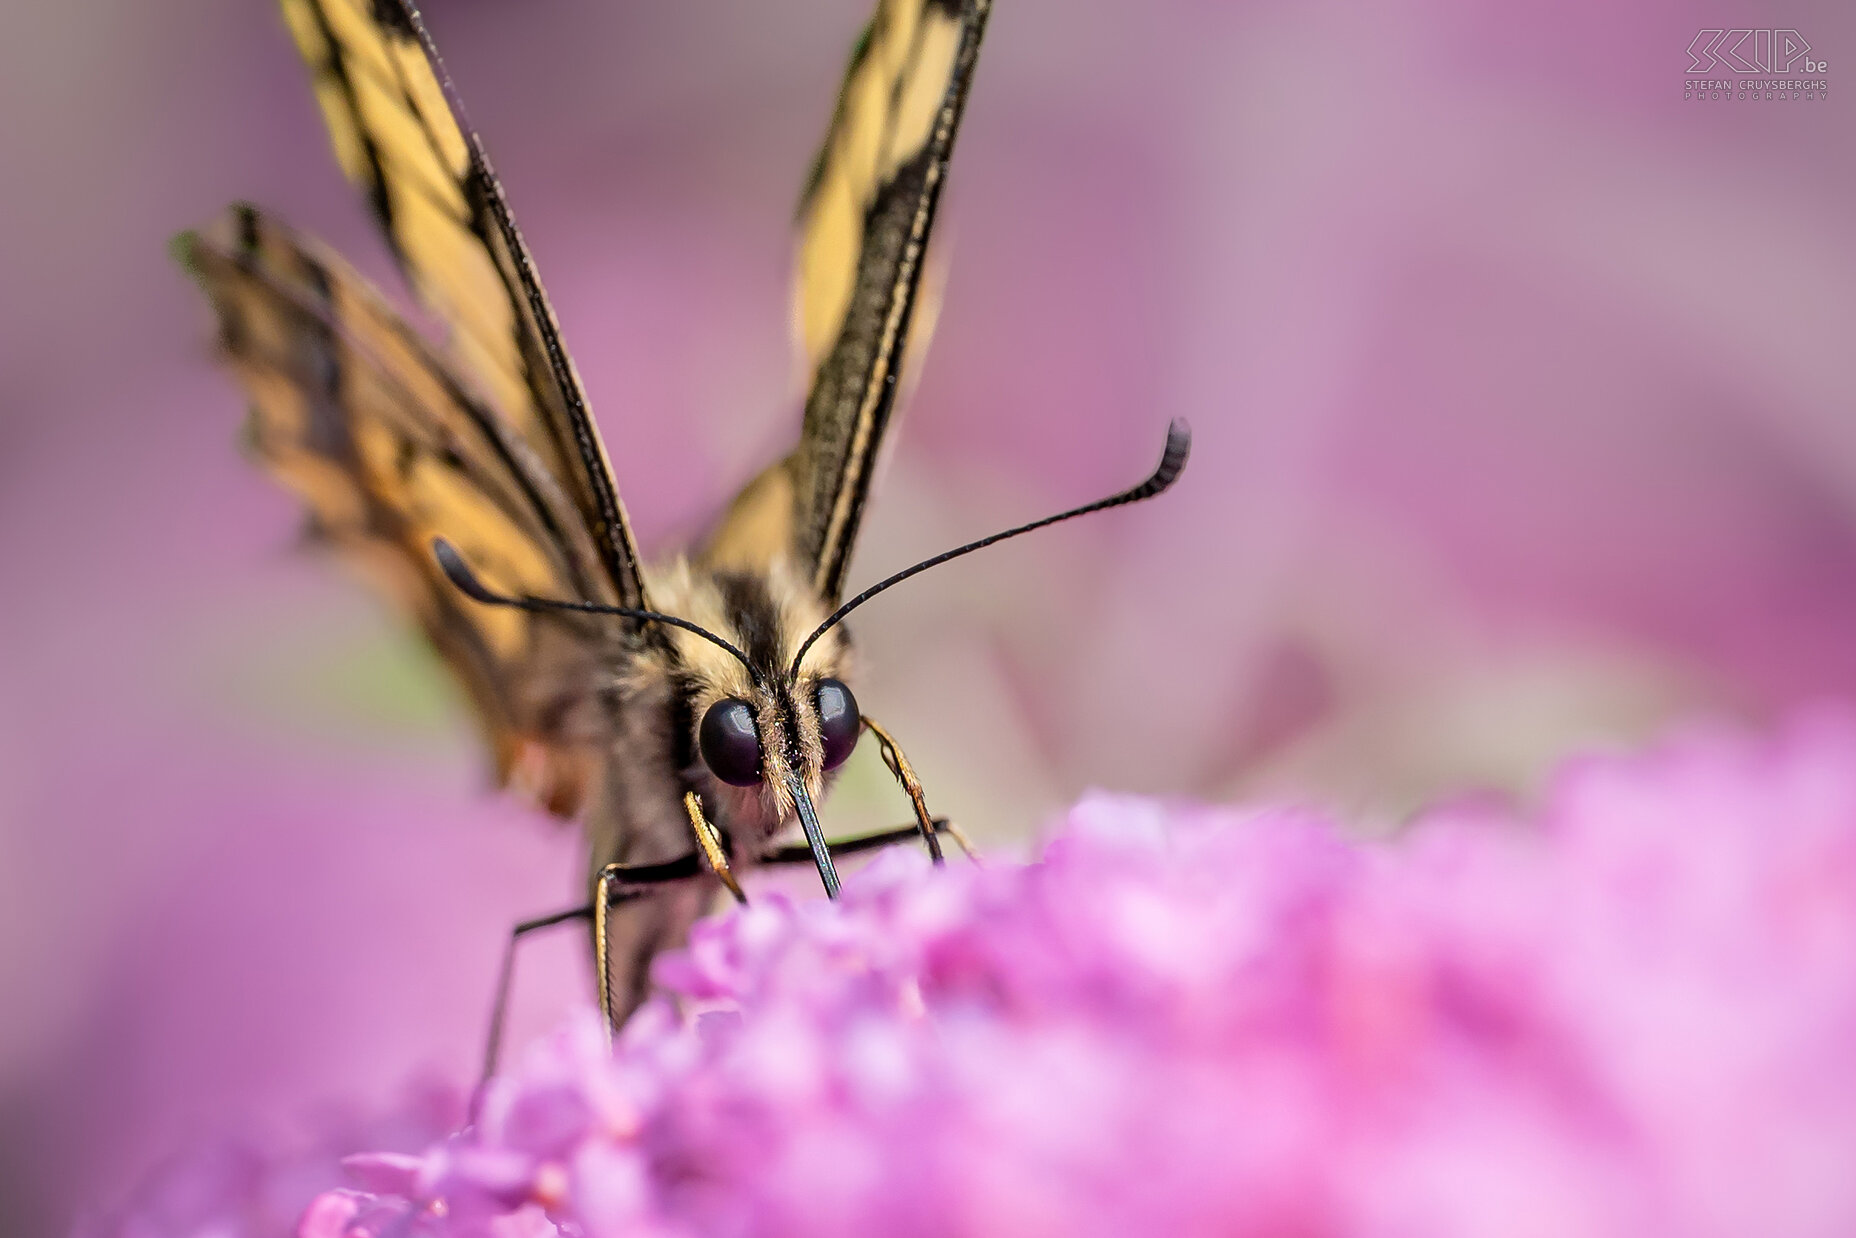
column 1525, row 404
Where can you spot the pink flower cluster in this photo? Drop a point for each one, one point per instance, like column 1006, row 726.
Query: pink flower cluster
column 1629, row 1011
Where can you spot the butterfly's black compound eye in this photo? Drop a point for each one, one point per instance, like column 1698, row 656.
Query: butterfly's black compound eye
column 730, row 743
column 838, row 721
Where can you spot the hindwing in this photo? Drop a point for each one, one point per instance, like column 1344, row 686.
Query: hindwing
column 358, row 416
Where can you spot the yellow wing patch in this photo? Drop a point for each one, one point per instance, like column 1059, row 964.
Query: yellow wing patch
column 394, row 137
column 864, row 225
column 399, row 137
column 887, row 111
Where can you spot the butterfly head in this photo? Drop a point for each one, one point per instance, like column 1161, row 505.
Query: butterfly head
column 760, row 729
column 758, row 711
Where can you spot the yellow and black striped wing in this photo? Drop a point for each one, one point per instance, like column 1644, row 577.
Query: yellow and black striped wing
column 864, row 221
column 354, row 412
column 400, row 136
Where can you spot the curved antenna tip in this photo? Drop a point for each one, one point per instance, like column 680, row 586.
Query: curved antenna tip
column 1172, row 464
column 458, row 572
column 1173, row 458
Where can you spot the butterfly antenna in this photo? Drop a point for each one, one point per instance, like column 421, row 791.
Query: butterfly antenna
column 1172, row 463
column 458, row 572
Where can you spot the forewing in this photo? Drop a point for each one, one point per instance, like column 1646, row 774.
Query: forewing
column 864, row 224
column 401, row 138
column 352, row 411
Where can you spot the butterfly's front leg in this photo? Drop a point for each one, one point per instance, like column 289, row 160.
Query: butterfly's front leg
column 709, row 839
column 625, row 882
column 632, row 923
column 925, row 825
column 800, row 853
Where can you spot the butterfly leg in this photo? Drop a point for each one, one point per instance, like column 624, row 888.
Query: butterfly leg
column 905, row 774
column 505, row 980
column 802, row 854
column 710, row 840
column 604, row 892
column 629, row 881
